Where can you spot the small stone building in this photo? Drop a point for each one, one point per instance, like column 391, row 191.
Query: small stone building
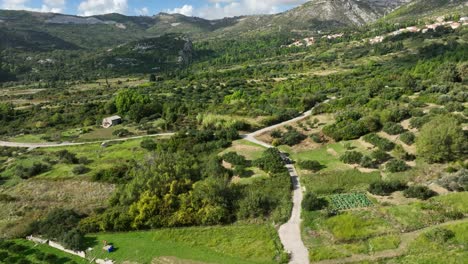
column 111, row 121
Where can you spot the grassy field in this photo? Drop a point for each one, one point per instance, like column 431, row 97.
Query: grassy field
column 378, row 228
column 342, row 181
column 24, row 250
column 228, row 244
column 249, row 150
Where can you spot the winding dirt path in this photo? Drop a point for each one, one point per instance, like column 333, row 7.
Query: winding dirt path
column 406, row 239
column 290, row 232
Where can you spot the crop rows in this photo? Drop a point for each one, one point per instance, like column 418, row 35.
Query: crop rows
column 349, row 201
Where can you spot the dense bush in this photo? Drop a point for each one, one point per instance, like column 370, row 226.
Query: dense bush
column 385, row 188
column 351, row 157
column 420, row 192
column 121, row 132
column 68, row 157
column 381, row 143
column 312, row 203
column 441, row 140
column 408, row 138
column 148, row 144
column 271, row 161
column 368, row 162
column 439, row 235
column 346, row 130
column 393, row 128
column 35, row 169
column 380, row 156
column 80, row 169
column 396, row 165
column 311, row 165
column 116, row 174
column 60, row 225
column 291, row 137
column 456, row 181
column 236, row 159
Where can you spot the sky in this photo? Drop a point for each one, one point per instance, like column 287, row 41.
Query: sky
column 210, row 9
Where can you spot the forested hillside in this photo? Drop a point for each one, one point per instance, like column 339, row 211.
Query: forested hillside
column 363, row 115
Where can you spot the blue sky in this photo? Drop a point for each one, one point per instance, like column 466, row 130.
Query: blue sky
column 210, row 9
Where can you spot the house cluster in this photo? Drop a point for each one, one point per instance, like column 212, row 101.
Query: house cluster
column 414, row 29
column 311, row 40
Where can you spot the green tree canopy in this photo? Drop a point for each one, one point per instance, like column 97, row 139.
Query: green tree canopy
column 125, row 99
column 441, row 140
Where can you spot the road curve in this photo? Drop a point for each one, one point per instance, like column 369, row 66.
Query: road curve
column 65, row 144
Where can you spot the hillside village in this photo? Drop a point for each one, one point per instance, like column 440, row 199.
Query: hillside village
column 441, row 22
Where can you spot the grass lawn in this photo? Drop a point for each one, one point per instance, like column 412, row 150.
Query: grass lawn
column 344, row 181
column 227, row 244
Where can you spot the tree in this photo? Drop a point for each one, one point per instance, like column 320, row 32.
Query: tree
column 312, row 203
column 125, row 99
column 442, row 140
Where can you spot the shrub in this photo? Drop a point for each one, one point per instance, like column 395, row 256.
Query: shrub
column 396, row 165
column 317, row 138
column 148, row 144
column 442, row 140
column 121, row 132
column 276, row 134
column 116, row 174
column 236, row 159
column 408, row 138
column 440, row 235
column 368, row 162
column 59, row 225
column 347, row 130
column 68, row 157
column 420, row 192
column 29, row 172
column 380, row 156
column 381, row 143
column 311, row 165
column 80, row 169
column 292, row 137
column 393, row 128
column 385, row 188
column 312, row 203
column 351, row 157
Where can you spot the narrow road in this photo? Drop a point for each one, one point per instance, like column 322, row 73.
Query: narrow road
column 290, row 232
column 65, row 144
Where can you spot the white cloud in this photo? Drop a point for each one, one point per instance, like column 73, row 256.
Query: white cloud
column 186, row 10
column 56, row 6
column 142, row 11
column 95, row 7
column 228, row 8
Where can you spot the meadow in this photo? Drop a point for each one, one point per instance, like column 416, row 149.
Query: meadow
column 242, row 243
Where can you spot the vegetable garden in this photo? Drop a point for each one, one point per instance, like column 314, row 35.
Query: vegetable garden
column 349, row 201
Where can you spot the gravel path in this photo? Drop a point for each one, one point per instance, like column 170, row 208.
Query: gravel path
column 290, row 232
